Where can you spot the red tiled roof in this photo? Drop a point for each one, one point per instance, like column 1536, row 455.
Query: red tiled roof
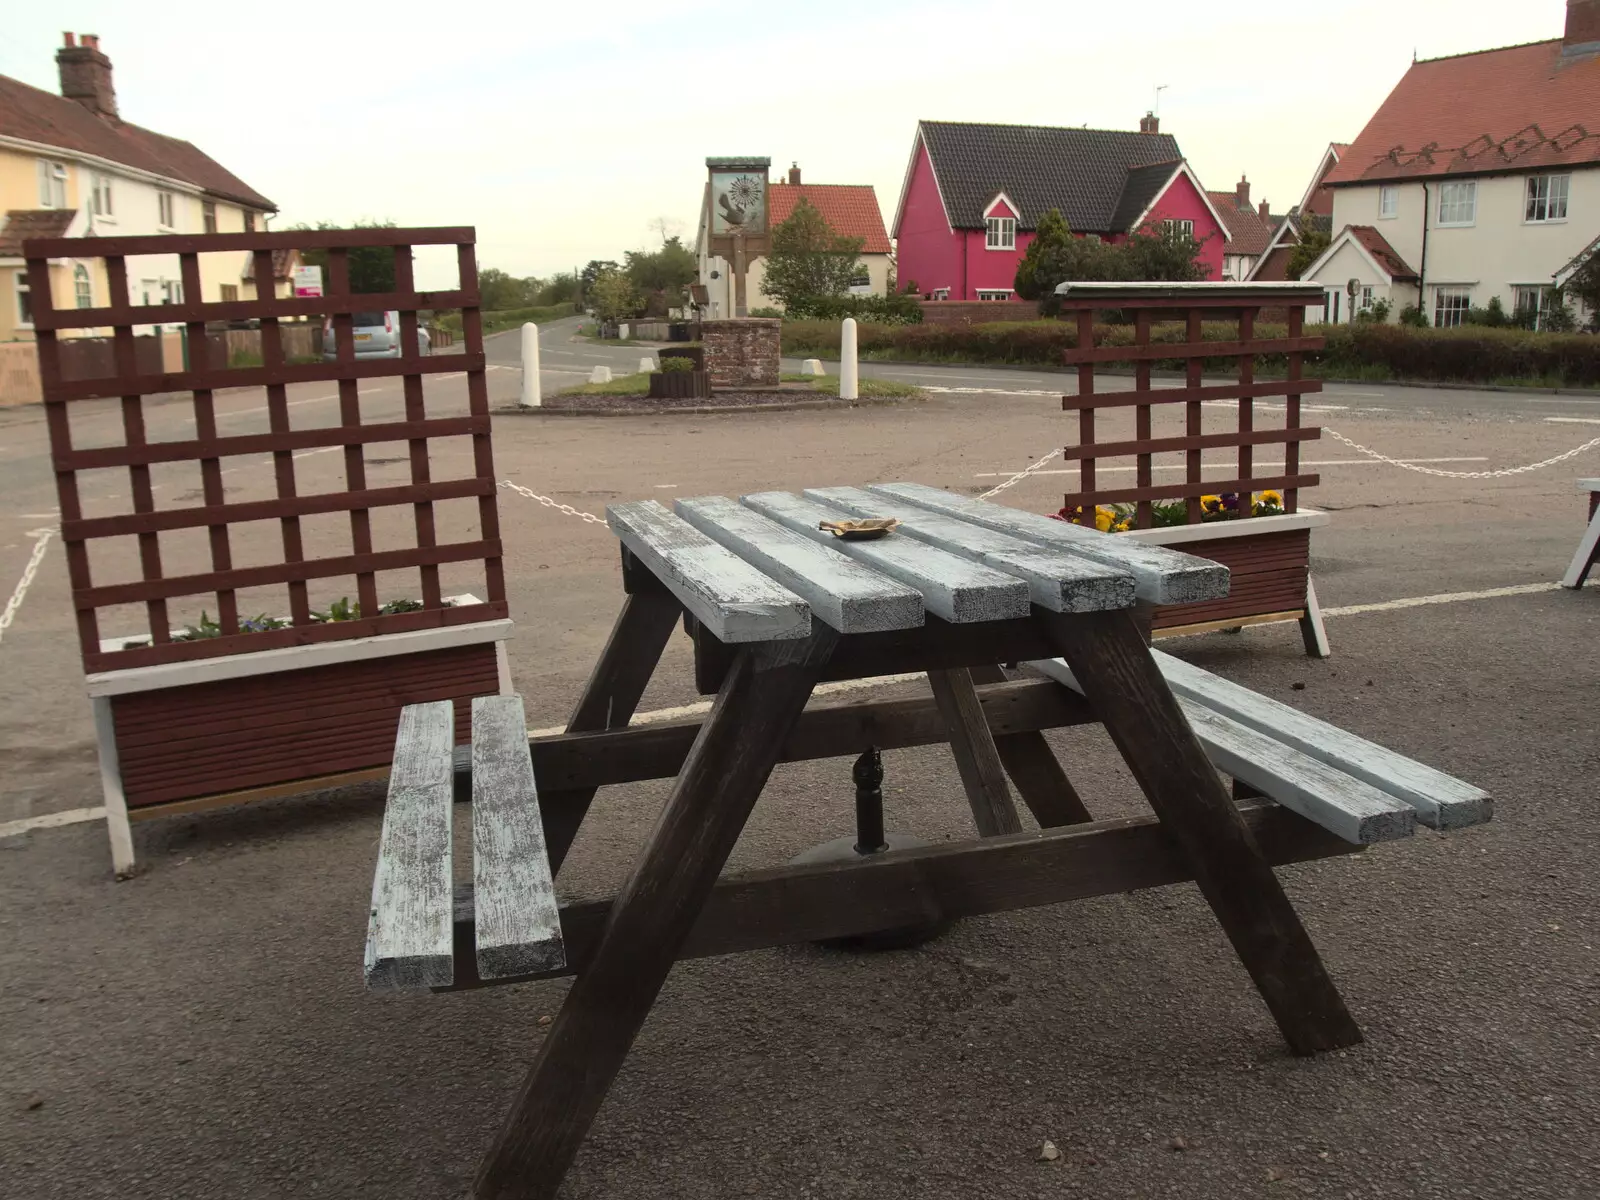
column 1376, row 245
column 23, row 223
column 39, row 116
column 1247, row 232
column 1275, row 267
column 851, row 208
column 282, row 263
column 1514, row 109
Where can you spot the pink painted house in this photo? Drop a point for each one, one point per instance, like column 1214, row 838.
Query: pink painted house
column 973, row 196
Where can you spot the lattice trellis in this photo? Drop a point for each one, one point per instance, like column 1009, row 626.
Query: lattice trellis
column 207, row 448
column 1192, row 303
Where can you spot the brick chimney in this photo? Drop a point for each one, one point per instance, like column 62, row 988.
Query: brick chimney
column 1264, row 211
column 86, row 74
column 1583, row 27
column 1241, row 193
column 794, row 174
column 1149, row 123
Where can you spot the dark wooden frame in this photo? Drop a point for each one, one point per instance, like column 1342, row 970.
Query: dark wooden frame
column 207, row 448
column 675, row 905
column 1193, row 303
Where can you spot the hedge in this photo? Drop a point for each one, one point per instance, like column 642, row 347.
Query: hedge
column 505, row 318
column 1473, row 354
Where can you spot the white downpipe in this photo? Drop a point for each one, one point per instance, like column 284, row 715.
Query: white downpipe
column 530, row 366
column 849, row 387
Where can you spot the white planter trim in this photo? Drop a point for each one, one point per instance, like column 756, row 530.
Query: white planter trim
column 293, row 658
column 1175, row 535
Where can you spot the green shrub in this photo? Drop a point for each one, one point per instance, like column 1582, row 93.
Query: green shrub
column 1470, row 354
column 1411, row 317
column 676, row 366
column 899, row 309
column 766, row 312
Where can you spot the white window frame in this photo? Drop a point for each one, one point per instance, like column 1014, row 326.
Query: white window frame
column 82, row 286
column 1463, row 195
column 1366, row 300
column 172, row 291
column 1540, row 203
column 1388, row 202
column 21, row 290
column 52, row 183
column 1000, row 233
column 1460, row 301
column 941, row 293
column 1182, row 224
column 1544, row 300
column 101, row 198
column 166, row 210
column 994, row 293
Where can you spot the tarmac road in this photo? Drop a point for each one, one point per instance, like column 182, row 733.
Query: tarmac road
column 201, row 1031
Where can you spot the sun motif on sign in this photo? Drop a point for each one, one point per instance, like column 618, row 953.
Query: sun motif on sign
column 744, row 192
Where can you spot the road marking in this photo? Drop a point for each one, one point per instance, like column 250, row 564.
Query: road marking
column 1521, row 589
column 78, row 815
column 1326, row 462
column 49, row 516
column 1574, row 420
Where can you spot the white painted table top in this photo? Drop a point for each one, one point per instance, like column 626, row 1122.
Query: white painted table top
column 759, row 569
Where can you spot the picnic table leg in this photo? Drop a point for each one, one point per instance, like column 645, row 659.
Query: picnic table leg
column 1036, row 771
column 1588, row 548
column 762, row 696
column 1128, row 693
column 637, row 639
column 977, row 759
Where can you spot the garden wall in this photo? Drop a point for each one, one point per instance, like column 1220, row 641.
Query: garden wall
column 741, row 353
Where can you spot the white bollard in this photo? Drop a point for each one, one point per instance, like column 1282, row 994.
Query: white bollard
column 849, row 389
column 600, row 375
column 624, row 332
column 530, row 366
column 647, row 364
column 812, row 366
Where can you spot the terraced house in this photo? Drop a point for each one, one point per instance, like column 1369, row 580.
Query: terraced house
column 1478, row 179
column 70, row 166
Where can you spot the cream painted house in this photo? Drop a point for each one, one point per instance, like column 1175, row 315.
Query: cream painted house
column 1450, row 206
column 71, row 167
column 851, row 209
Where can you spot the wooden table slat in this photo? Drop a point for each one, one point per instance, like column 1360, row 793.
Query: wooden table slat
column 848, row 595
column 954, row 589
column 1057, row 580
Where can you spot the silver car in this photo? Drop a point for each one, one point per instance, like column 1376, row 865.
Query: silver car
column 377, row 335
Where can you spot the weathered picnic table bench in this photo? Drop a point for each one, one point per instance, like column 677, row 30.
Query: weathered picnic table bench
column 775, row 606
column 1588, row 545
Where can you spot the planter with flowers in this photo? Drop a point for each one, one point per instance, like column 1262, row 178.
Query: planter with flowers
column 1266, row 549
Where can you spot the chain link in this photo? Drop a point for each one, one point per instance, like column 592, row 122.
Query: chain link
column 549, row 503
column 28, row 572
column 1021, row 475
column 1395, row 462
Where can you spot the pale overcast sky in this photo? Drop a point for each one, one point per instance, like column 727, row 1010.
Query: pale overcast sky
column 562, row 131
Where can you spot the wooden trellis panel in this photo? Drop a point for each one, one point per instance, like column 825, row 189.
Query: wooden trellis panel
column 207, row 448
column 1194, row 304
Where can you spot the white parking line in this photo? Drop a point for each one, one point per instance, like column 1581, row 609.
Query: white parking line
column 1574, row 420
column 77, row 815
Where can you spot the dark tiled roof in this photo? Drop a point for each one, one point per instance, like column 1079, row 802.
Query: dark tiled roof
column 1378, row 246
column 51, row 120
column 1139, row 191
column 1516, row 109
column 1275, row 267
column 24, row 223
column 851, row 208
column 1082, row 172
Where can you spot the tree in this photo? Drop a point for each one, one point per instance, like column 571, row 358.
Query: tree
column 1052, row 235
column 592, row 272
column 371, row 267
column 561, row 289
column 1313, row 241
column 1584, row 286
column 1156, row 252
column 498, row 290
column 613, row 297
column 810, row 259
column 664, row 272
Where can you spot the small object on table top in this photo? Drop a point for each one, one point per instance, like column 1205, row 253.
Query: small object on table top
column 861, row 530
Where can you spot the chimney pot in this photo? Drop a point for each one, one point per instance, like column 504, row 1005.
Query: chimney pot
column 1150, row 123
column 1265, row 211
column 86, row 75
column 794, row 174
column 1241, row 192
column 1583, row 27
column 68, row 39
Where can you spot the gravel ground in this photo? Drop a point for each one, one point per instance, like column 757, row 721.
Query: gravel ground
column 201, row 1031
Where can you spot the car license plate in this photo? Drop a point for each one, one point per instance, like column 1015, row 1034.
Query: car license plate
column 363, row 337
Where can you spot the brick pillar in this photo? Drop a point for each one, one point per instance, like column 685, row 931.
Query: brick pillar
column 741, row 353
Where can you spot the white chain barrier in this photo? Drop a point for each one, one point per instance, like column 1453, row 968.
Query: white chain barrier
column 1021, row 475
column 1395, row 462
column 550, row 503
column 28, row 572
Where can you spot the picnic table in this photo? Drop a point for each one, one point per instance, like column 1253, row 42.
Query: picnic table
column 775, row 606
column 1589, row 544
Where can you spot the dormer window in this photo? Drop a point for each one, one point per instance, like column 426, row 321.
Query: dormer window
column 1002, row 233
